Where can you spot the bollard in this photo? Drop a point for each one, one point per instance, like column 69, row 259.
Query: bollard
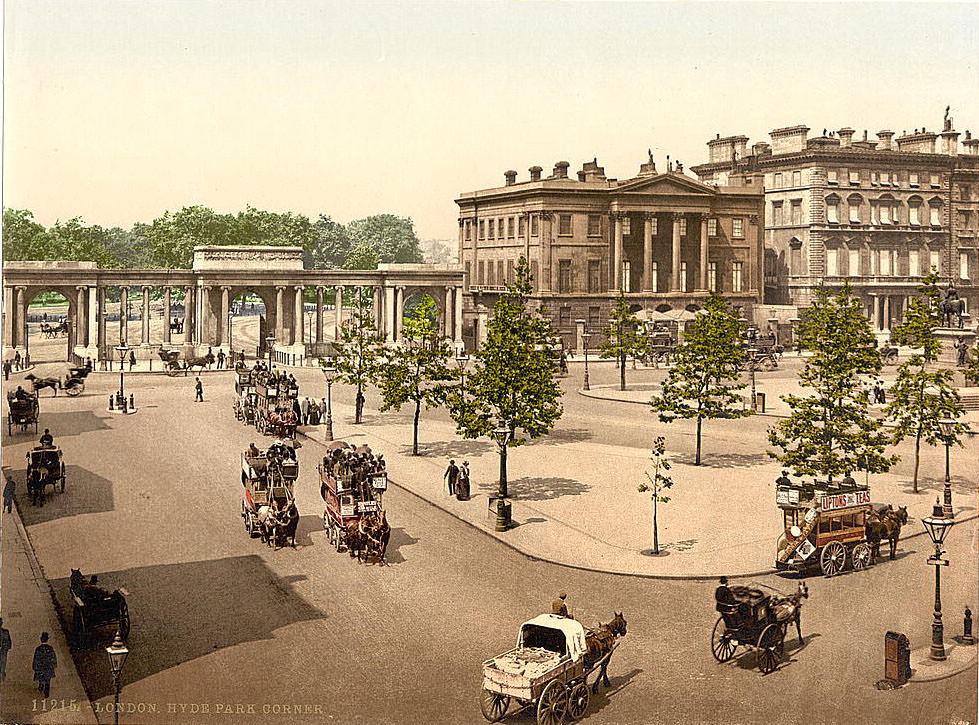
column 967, row 637
column 132, row 402
column 897, row 658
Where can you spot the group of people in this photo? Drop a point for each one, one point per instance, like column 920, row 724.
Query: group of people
column 875, row 391
column 457, row 478
column 360, row 464
column 17, row 363
column 44, row 664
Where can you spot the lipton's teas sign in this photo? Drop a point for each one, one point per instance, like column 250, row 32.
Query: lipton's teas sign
column 833, row 501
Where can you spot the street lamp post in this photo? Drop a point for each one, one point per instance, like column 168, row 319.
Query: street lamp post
column 117, row 652
column 270, row 343
column 937, row 525
column 584, row 343
column 462, row 360
column 948, row 430
column 123, row 350
column 752, row 359
column 329, row 371
column 502, row 437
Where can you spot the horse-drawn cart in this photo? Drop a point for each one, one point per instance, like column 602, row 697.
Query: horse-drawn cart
column 97, row 607
column 171, row 362
column 22, row 411
column 345, row 503
column 660, row 346
column 246, row 399
column 548, row 670
column 268, row 481
column 74, row 384
column 45, row 467
column 274, row 413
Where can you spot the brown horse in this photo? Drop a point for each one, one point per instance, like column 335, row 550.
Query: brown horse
column 356, row 539
column 198, row 362
column 41, row 383
column 377, row 534
column 599, row 643
column 885, row 525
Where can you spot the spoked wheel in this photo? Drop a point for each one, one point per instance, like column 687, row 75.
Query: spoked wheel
column 553, row 704
column 124, row 619
column 832, row 558
column 860, row 558
column 722, row 642
column 64, row 478
column 75, row 390
column 493, row 705
column 578, row 700
column 771, row 644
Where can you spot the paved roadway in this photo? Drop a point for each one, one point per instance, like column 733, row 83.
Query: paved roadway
column 152, row 505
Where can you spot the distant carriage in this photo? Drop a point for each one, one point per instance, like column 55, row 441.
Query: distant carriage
column 45, row 467
column 660, row 348
column 246, row 399
column 97, row 607
column 74, row 384
column 51, row 331
column 177, row 325
column 22, row 411
column 762, row 352
column 274, row 414
column 171, row 362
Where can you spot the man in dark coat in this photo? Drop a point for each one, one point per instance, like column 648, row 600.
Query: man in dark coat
column 45, row 662
column 559, row 607
column 451, row 475
column 8, row 494
column 199, row 388
column 5, row 645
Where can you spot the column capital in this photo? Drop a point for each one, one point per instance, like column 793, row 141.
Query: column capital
column 701, row 216
column 81, row 287
column 676, row 216
column 146, row 287
column 619, row 215
column 300, row 287
column 753, row 220
column 280, row 287
column 320, row 289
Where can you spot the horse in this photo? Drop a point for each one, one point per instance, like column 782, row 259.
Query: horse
column 356, row 539
column 41, row 383
column 177, row 326
column 377, row 534
column 198, row 362
column 599, row 643
column 791, row 607
column 885, row 525
column 35, row 487
column 952, row 308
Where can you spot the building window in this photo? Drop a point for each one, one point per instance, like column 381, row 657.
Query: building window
column 468, row 279
column 654, row 225
column 777, row 218
column 853, row 263
column 594, row 315
column 482, row 229
column 965, row 192
column 564, row 225
column 874, row 178
column 855, row 203
column 935, row 261
column 467, row 230
column 885, row 213
column 521, row 226
column 492, row 228
column 737, row 269
column 594, row 275
column 626, row 226
column 510, row 276
column 627, row 276
column 564, row 275
column 833, row 209
column 796, row 212
column 778, row 180
column 564, row 318
column 832, row 263
column 913, row 179
column 509, row 227
column 500, row 279
column 914, row 270
column 534, row 222
column 884, row 267
column 832, row 176
column 684, row 287
column 737, row 227
column 683, row 226
column 963, row 265
column 654, row 282
column 594, row 225
column 854, row 177
column 533, row 276
column 935, row 181
column 914, row 212
column 712, row 276
column 480, row 272
column 885, row 178
column 712, row 227
column 796, row 178
column 935, row 216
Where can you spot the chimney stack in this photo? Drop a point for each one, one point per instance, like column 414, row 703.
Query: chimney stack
column 535, row 172
column 885, row 140
column 846, row 136
column 511, row 177
column 970, row 145
column 561, row 170
column 950, row 142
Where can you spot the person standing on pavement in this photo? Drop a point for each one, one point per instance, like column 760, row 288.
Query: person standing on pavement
column 199, row 387
column 5, row 645
column 451, row 475
column 6, row 369
column 45, row 662
column 220, row 359
column 8, row 495
column 132, row 359
column 462, row 483
column 304, row 410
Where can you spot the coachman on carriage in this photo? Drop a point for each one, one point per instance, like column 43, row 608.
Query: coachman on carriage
column 274, row 414
column 352, row 482
column 97, row 607
column 45, row 467
column 268, row 506
column 171, row 362
column 22, row 410
column 75, row 380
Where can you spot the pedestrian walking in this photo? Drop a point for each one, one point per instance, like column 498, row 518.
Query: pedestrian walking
column 462, row 483
column 132, row 359
column 45, row 662
column 6, row 369
column 199, row 388
column 8, row 495
column 220, row 359
column 304, row 409
column 5, row 645
column 16, row 359
column 451, row 476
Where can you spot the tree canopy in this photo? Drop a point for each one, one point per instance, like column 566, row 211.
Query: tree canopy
column 623, row 336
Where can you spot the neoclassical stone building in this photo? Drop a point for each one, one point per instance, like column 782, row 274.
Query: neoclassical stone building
column 879, row 213
column 664, row 239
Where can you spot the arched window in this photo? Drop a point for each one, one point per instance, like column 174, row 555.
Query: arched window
column 884, row 206
column 833, row 209
column 855, row 202
column 935, row 209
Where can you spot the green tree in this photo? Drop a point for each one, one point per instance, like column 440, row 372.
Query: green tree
column 512, row 386
column 657, row 483
column 921, row 397
column 362, row 256
column 358, row 350
column 831, row 431
column 332, row 244
column 392, row 237
column 702, row 382
column 23, row 237
column 623, row 337
column 171, row 238
column 416, row 371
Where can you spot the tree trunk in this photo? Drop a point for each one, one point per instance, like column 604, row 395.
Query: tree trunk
column 655, row 532
column 917, row 459
column 414, row 440
column 622, row 372
column 358, row 405
column 699, row 424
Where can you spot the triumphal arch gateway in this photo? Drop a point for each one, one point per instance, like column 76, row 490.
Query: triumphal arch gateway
column 218, row 275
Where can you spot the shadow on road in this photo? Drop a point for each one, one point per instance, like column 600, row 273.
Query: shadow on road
column 307, row 525
column 399, row 539
column 724, row 460
column 180, row 612
column 452, row 449
column 562, row 435
column 539, row 489
column 605, row 695
column 85, row 493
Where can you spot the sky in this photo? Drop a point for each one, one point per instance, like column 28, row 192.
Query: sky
column 116, row 111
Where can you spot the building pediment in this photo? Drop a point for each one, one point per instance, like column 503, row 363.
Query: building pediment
column 666, row 185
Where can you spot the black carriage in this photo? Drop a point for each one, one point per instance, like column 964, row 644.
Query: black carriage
column 171, row 362
column 660, row 347
column 888, row 355
column 45, row 467
column 762, row 352
column 97, row 607
column 75, row 380
column 22, row 411
column 756, row 617
column 274, row 414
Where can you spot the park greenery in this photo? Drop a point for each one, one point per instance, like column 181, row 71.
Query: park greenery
column 923, row 395
column 416, row 370
column 623, row 337
column 359, row 350
column 703, row 382
column 657, row 482
column 168, row 241
column 830, row 432
column 512, row 387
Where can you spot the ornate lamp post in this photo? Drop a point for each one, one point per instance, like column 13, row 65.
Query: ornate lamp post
column 937, row 525
column 948, row 431
column 329, row 373
column 123, row 351
column 270, row 344
column 752, row 360
column 584, row 343
column 462, row 360
column 117, row 652
column 502, row 437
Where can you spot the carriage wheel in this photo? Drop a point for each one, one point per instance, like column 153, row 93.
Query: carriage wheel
column 722, row 642
column 860, row 557
column 771, row 644
column 74, row 390
column 578, row 700
column 124, row 619
column 832, row 558
column 493, row 705
column 78, row 622
column 553, row 704
column 64, row 478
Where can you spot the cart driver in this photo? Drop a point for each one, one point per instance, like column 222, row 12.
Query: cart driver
column 723, row 593
column 21, row 394
column 559, row 607
column 783, row 480
column 253, row 451
column 46, row 440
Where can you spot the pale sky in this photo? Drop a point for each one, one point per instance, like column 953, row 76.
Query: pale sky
column 116, row 111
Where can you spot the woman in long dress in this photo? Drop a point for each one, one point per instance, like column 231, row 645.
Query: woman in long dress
column 462, row 482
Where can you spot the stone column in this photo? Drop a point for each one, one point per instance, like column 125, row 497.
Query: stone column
column 22, row 317
column 225, row 338
column 299, row 313
column 205, row 307
column 647, row 253
column 145, row 315
column 526, row 237
column 704, row 252
column 319, row 315
column 378, row 309
column 399, row 310
column 8, row 317
column 887, row 314
column 390, row 295
column 101, row 341
column 338, row 312
column 545, row 242
column 279, row 314
column 449, row 311
column 675, row 271
column 124, row 315
column 81, row 317
column 457, row 315
column 189, row 316
column 876, row 300
column 166, row 316
column 617, row 254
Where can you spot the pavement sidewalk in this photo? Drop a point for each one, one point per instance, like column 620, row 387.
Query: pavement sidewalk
column 569, row 510
column 27, row 610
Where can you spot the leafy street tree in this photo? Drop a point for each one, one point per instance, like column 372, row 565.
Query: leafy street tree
column 658, row 482
column 171, row 238
column 23, row 237
column 702, row 383
column 831, row 431
column 922, row 396
column 332, row 244
column 358, row 350
column 417, row 370
column 512, row 387
column 392, row 237
column 623, row 337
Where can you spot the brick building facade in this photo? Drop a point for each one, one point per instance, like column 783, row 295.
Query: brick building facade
column 664, row 239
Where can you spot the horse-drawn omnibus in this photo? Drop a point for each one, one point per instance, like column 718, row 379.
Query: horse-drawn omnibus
column 274, row 414
column 268, row 482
